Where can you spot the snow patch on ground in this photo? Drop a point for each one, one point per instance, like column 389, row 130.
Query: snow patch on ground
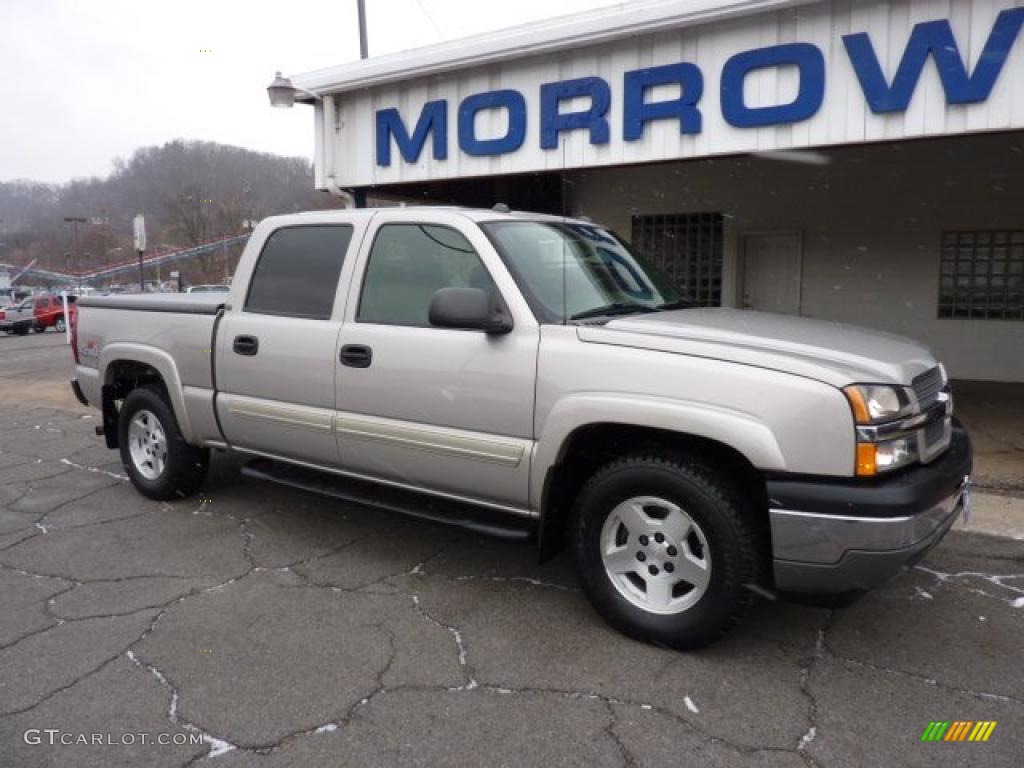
column 95, row 470
column 807, row 738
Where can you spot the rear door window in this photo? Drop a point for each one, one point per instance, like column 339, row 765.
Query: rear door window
column 297, row 271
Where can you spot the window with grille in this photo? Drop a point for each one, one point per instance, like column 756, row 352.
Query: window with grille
column 982, row 275
column 688, row 248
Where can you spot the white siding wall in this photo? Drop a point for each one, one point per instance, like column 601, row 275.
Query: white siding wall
column 843, row 118
column 872, row 222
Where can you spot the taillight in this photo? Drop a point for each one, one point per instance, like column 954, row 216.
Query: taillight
column 73, row 319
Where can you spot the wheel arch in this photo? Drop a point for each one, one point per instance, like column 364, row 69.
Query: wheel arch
column 127, row 366
column 590, row 446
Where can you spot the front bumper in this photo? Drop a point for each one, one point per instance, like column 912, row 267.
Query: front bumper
column 838, row 535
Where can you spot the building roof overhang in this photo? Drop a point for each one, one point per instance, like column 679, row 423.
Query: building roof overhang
column 600, row 25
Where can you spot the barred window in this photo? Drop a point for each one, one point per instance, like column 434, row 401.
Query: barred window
column 982, row 275
column 688, row 248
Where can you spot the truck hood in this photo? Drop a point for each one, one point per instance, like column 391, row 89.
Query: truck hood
column 835, row 353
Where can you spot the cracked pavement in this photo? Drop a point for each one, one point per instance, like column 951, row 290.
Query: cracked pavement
column 283, row 629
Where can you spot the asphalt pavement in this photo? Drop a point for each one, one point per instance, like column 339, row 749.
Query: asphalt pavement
column 276, row 628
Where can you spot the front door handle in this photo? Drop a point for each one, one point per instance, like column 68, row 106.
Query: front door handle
column 356, row 356
column 246, row 345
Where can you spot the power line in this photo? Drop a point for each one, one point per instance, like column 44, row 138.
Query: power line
column 430, row 18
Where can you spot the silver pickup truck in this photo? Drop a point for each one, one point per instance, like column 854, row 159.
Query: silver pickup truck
column 526, row 375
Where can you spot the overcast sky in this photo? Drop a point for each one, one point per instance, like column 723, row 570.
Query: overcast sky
column 85, row 81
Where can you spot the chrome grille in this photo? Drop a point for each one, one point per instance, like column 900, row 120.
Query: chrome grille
column 934, row 432
column 926, row 387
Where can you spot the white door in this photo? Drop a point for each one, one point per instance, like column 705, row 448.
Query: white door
column 772, row 264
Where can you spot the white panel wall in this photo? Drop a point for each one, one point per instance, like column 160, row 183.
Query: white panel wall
column 872, row 220
column 844, row 116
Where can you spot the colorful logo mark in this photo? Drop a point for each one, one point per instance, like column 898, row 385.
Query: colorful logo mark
column 958, row 730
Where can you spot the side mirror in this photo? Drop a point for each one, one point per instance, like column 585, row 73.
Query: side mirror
column 468, row 309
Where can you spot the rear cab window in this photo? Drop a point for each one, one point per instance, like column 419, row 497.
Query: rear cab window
column 296, row 274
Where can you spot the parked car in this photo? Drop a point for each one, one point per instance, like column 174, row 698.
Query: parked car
column 18, row 318
column 208, row 288
column 49, row 312
column 519, row 374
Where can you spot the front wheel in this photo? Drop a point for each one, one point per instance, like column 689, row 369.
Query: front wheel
column 159, row 462
column 60, row 325
column 665, row 550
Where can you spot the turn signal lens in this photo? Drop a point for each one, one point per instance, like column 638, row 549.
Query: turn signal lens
column 860, row 408
column 866, row 464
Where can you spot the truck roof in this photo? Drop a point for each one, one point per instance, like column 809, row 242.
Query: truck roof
column 414, row 211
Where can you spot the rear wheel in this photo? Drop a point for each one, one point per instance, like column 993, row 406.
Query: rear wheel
column 22, row 330
column 39, row 328
column 665, row 549
column 159, row 462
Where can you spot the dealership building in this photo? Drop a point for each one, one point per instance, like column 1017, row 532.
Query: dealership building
column 857, row 161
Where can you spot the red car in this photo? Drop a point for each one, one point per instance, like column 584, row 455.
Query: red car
column 49, row 311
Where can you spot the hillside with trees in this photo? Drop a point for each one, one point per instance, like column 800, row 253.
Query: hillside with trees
column 189, row 191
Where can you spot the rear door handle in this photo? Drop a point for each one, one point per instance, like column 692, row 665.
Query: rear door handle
column 246, row 345
column 356, row 356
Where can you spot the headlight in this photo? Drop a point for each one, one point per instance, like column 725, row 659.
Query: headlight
column 884, row 456
column 873, row 403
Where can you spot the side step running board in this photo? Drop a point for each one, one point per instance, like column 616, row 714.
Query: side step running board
column 433, row 509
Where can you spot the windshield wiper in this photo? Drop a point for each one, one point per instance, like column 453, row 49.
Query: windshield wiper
column 618, row 308
column 678, row 304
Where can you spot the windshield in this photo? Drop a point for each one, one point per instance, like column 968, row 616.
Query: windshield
column 576, row 271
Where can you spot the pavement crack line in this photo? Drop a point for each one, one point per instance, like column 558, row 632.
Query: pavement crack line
column 690, row 725
column 460, row 643
column 806, row 668
column 95, row 470
column 417, row 570
column 217, row 746
column 983, row 695
column 222, row 746
column 518, row 580
column 46, row 697
column 44, row 528
column 628, row 759
column 32, row 633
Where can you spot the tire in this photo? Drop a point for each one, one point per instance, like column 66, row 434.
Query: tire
column 690, row 588
column 39, row 328
column 162, row 466
column 22, row 330
column 60, row 325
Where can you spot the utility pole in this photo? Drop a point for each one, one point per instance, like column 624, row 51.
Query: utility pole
column 363, row 53
column 359, row 195
column 75, row 221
